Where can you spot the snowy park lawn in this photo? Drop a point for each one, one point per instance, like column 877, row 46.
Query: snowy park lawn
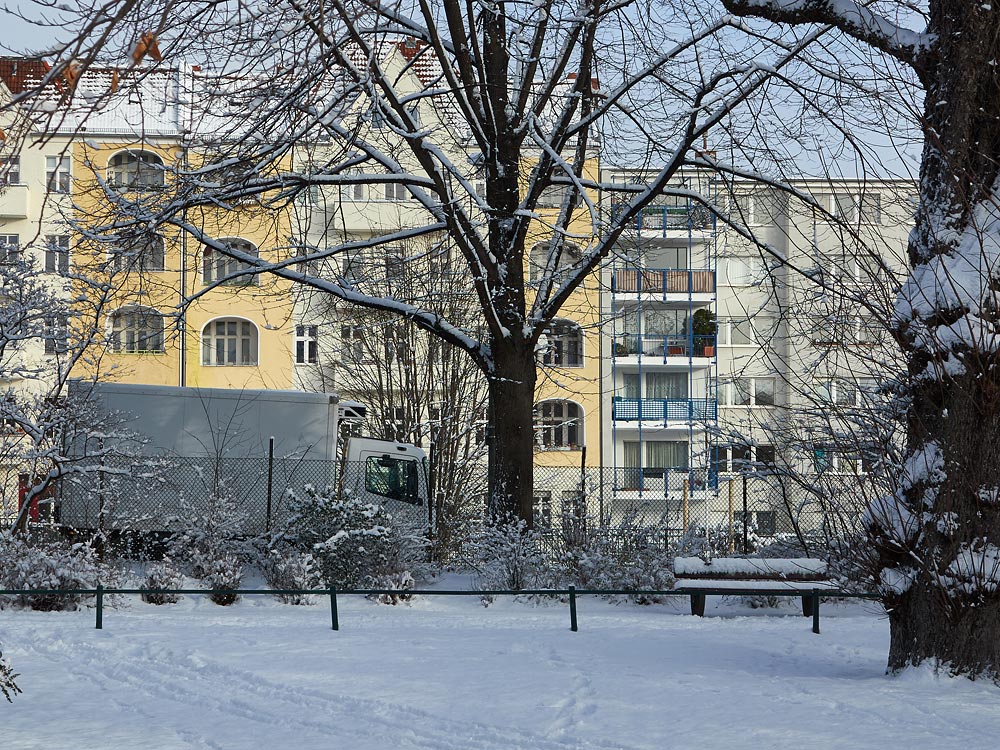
column 447, row 673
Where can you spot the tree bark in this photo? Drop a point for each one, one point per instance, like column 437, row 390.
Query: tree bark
column 511, row 433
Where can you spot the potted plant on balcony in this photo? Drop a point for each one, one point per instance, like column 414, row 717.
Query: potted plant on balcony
column 703, row 327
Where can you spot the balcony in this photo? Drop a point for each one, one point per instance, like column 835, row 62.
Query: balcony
column 663, row 347
column 669, row 220
column 663, row 410
column 14, row 202
column 663, row 281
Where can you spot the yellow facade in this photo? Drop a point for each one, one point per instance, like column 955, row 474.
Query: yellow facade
column 579, row 384
column 177, row 287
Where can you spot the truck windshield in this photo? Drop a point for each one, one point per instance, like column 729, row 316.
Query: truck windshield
column 394, row 478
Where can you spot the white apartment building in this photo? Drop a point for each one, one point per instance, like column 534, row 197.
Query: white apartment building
column 799, row 340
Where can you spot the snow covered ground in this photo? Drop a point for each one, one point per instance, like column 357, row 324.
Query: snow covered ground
column 448, row 674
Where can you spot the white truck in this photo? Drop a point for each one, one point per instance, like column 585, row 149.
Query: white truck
column 254, row 445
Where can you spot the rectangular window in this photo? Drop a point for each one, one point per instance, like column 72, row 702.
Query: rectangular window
column 541, row 503
column 57, row 174
column 10, row 249
column 352, row 191
column 10, row 170
column 870, row 208
column 352, row 341
column 306, row 345
column 57, row 253
column 666, row 454
column 751, row 392
column 55, row 332
column 666, row 385
column 741, row 333
column 396, row 191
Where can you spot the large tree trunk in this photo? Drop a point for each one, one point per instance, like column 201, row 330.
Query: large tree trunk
column 511, row 428
column 950, row 613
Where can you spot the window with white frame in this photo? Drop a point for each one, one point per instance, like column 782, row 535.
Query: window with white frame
column 306, row 345
column 55, row 332
column 558, row 424
column 846, row 391
column 142, row 254
column 539, row 256
column 838, row 329
column 665, row 455
column 229, row 342
column 748, row 391
column 352, row 191
column 216, row 265
column 757, row 208
column 353, row 345
column 57, row 175
column 10, row 249
column 863, row 208
column 137, row 330
column 736, row 332
column 738, row 459
column 563, row 344
column 843, row 460
column 57, row 253
column 10, row 170
column 740, row 271
column 136, row 170
column 395, row 191
column 541, row 503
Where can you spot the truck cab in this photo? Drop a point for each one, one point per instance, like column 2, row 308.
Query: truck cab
column 385, row 472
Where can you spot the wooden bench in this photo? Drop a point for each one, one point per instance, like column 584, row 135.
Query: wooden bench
column 766, row 576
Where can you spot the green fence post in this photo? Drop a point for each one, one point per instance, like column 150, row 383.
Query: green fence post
column 816, row 611
column 100, row 607
column 572, row 608
column 333, row 609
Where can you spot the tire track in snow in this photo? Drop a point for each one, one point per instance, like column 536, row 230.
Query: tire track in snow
column 194, row 681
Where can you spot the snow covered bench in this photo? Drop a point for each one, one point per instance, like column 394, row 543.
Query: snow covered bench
column 770, row 576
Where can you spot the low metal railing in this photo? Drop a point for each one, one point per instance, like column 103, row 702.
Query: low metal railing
column 571, row 593
column 663, row 409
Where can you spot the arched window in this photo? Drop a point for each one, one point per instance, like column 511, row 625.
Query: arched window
column 140, row 254
column 558, row 424
column 229, row 341
column 563, row 344
column 136, row 170
column 217, row 265
column 136, row 330
column 539, row 256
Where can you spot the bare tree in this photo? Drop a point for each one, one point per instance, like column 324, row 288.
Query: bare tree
column 515, row 100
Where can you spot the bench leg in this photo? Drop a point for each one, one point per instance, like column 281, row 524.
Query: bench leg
column 698, row 605
column 807, row 606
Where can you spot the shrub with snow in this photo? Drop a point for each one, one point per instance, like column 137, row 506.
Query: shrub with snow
column 505, row 555
column 8, row 687
column 221, row 575
column 26, row 564
column 626, row 556
column 289, row 569
column 162, row 575
column 355, row 544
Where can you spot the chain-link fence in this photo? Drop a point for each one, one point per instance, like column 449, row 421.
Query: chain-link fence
column 733, row 512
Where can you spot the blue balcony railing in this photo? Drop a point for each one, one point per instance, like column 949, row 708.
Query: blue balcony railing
column 663, row 280
column 663, row 409
column 678, row 345
column 664, row 219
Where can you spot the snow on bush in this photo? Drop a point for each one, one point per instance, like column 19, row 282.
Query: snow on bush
column 8, row 687
column 355, row 544
column 162, row 575
column 207, row 540
column 505, row 555
column 626, row 556
column 27, row 564
column 221, row 575
column 289, row 569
